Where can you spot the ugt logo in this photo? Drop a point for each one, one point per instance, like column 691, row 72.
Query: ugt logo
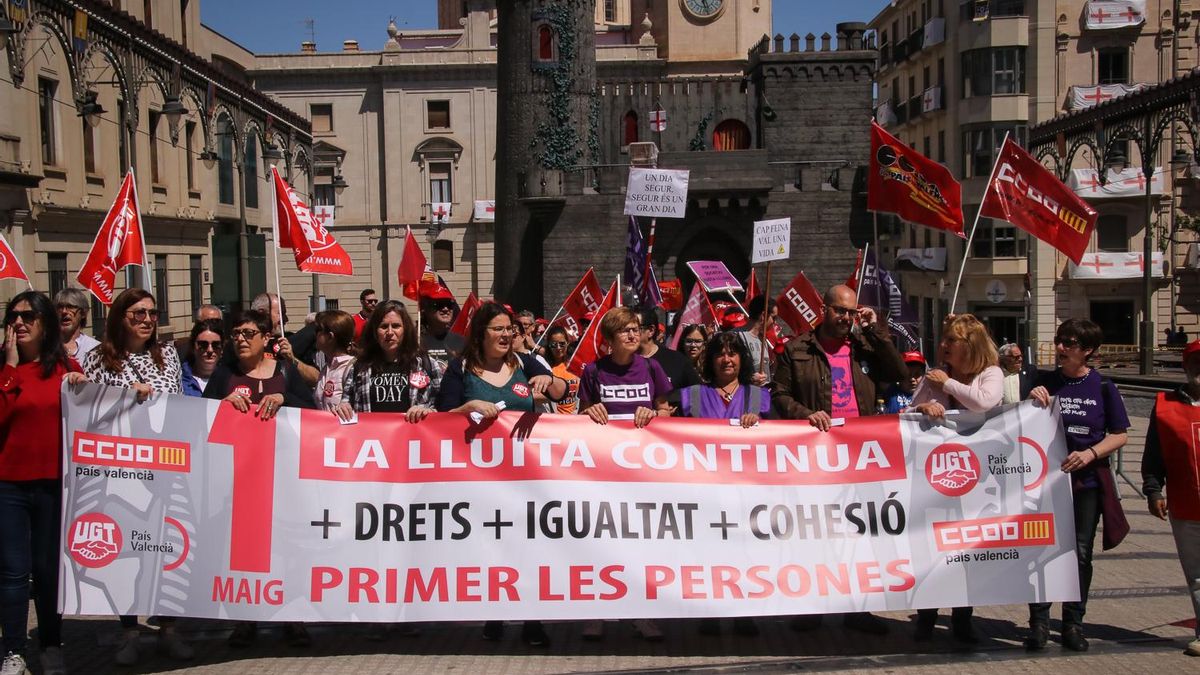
column 952, row 469
column 95, row 540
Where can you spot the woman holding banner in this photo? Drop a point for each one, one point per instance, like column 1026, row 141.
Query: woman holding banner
column 730, row 394
column 130, row 356
column 491, row 373
column 971, row 379
column 392, row 373
column 1096, row 424
column 252, row 379
column 624, row 385
column 31, row 477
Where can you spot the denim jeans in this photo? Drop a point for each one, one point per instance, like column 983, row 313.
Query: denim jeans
column 1187, row 541
column 1087, row 519
column 29, row 543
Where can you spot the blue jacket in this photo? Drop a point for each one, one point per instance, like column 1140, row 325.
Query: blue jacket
column 190, row 388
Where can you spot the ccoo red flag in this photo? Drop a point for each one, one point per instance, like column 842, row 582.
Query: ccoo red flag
column 317, row 252
column 1025, row 194
column 10, row 267
column 697, row 310
column 118, row 243
column 905, row 182
column 672, row 294
column 412, row 267
column 800, row 305
column 463, row 319
column 591, row 346
column 586, row 298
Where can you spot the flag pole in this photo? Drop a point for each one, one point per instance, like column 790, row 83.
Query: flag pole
column 862, row 269
column 879, row 291
column 762, row 324
column 142, row 234
column 646, row 274
column 971, row 235
column 275, row 253
column 543, row 335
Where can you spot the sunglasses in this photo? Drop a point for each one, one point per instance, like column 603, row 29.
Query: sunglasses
column 1069, row 343
column 245, row 334
column 843, row 311
column 558, row 345
column 27, row 316
column 207, row 346
column 142, row 314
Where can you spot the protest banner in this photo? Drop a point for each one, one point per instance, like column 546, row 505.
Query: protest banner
column 185, row 507
column 656, row 193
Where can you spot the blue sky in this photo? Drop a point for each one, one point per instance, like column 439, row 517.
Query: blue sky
column 279, row 25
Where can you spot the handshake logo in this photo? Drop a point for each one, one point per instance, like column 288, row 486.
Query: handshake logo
column 95, row 540
column 952, row 469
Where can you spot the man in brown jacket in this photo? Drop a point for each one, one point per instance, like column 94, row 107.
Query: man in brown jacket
column 833, row 372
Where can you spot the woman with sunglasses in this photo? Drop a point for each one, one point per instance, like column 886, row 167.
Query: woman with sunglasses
column 970, row 379
column 72, row 305
column 335, row 337
column 558, row 353
column 1093, row 415
column 489, row 372
column 204, row 351
column 31, row 477
column 252, row 379
column 692, row 343
column 130, row 356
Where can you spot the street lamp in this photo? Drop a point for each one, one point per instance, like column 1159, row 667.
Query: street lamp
column 209, row 158
column 91, row 110
column 339, row 184
column 174, row 111
column 7, row 27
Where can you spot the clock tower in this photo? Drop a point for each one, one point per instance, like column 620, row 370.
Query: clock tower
column 705, row 36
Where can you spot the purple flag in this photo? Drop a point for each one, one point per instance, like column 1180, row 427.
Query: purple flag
column 639, row 274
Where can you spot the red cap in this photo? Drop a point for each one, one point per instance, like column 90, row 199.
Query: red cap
column 541, row 322
column 914, row 357
column 731, row 320
column 436, row 292
column 1193, row 347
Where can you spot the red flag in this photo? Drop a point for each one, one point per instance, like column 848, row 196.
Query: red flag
column 412, row 267
column 463, row 319
column 752, row 289
column 316, row 250
column 697, row 310
column 905, row 182
column 800, row 305
column 1025, row 194
column 587, row 297
column 118, row 243
column 10, row 267
column 591, row 346
column 672, row 295
column 852, row 282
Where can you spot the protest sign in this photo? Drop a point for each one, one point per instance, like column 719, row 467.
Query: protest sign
column 772, row 240
column 714, row 276
column 656, row 193
column 186, row 507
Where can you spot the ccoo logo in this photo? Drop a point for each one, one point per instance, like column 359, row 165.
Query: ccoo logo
column 952, row 469
column 95, row 540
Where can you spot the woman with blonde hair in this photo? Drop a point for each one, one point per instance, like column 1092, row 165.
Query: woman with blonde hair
column 970, row 379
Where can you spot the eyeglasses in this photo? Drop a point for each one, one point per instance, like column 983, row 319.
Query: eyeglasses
column 245, row 334
column 207, row 346
column 27, row 317
column 843, row 311
column 1066, row 342
column 371, row 301
column 630, row 330
column 142, row 314
column 503, row 330
column 694, row 343
column 558, row 345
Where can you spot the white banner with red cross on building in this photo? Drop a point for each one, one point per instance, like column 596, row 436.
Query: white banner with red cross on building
column 1083, row 97
column 1109, row 14
column 1106, row 265
column 1129, row 182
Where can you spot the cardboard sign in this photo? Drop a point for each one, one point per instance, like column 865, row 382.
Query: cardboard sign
column 772, row 240
column 714, row 276
column 656, row 193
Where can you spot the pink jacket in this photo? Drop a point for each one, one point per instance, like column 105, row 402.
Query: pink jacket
column 984, row 392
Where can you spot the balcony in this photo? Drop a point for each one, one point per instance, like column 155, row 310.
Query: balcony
column 916, row 42
column 914, row 108
column 901, row 111
column 935, row 32
column 901, row 51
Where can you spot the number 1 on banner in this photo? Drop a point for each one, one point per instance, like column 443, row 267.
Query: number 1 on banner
column 253, row 443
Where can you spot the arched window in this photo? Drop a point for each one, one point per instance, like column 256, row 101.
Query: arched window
column 224, row 160
column 731, row 135
column 545, row 43
column 630, row 127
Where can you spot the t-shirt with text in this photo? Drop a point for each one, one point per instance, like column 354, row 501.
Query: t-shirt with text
column 623, row 389
column 1090, row 409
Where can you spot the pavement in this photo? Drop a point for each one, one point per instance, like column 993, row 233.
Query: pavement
column 1139, row 620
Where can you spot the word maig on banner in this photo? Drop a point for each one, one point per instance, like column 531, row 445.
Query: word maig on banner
column 301, row 518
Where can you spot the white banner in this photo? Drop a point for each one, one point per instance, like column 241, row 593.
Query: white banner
column 185, row 507
column 931, row 100
column 772, row 240
column 1108, row 14
column 485, row 211
column 1083, row 97
column 932, row 259
column 325, row 215
column 1115, row 266
column 656, row 193
column 935, row 32
column 1129, row 182
column 439, row 212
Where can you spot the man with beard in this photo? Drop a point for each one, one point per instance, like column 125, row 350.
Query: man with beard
column 837, row 372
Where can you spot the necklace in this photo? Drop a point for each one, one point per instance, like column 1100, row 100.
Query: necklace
column 727, row 396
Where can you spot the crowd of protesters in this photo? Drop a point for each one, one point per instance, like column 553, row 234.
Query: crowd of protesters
column 377, row 360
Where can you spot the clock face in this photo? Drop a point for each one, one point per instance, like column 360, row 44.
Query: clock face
column 704, row 9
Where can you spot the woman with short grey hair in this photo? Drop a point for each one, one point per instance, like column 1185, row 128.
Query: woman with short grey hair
column 72, row 306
